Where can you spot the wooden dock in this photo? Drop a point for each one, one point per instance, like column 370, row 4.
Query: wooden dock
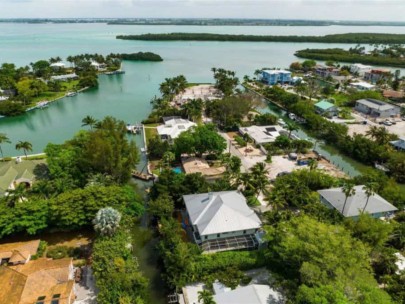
column 142, row 176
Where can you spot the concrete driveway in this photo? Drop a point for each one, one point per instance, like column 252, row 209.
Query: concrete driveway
column 86, row 291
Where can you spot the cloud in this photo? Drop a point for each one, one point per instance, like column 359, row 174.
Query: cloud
column 389, row 10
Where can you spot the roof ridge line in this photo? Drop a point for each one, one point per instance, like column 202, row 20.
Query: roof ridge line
column 214, row 197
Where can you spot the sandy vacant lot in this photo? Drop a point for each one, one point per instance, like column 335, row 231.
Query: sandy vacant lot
column 398, row 128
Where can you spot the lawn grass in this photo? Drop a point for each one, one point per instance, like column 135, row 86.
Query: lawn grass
column 150, row 131
column 340, row 99
column 50, row 96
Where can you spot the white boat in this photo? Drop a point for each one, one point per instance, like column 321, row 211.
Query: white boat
column 71, row 94
column 42, row 104
column 134, row 129
column 292, row 116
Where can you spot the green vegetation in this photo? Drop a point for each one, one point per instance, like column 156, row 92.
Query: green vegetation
column 140, row 56
column 118, row 277
column 353, row 38
column 392, row 56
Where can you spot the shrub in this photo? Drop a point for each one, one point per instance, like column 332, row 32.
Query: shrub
column 58, row 252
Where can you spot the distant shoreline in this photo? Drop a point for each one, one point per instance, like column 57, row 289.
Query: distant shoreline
column 351, row 38
column 204, row 21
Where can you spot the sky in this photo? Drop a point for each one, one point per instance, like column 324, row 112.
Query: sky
column 369, row 10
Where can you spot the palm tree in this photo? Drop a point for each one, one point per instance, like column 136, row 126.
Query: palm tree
column 369, row 189
column 380, row 135
column 259, row 177
column 348, row 190
column 107, row 221
column 89, row 121
column 291, row 127
column 167, row 158
column 205, row 297
column 25, row 146
column 313, row 164
column 3, row 140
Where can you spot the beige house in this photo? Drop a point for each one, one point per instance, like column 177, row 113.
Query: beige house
column 27, row 281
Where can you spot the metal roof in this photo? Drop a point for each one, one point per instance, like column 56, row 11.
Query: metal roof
column 400, row 143
column 262, row 134
column 375, row 104
column 252, row 294
column 174, row 127
column 356, row 203
column 324, row 105
column 220, row 212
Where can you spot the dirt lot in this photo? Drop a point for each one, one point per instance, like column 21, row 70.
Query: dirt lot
column 398, row 128
column 284, row 164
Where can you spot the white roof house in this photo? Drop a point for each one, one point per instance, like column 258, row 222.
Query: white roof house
column 360, row 68
column 251, row 294
column 64, row 77
column 262, row 134
column 362, row 86
column 220, row 212
column 173, row 127
column 376, row 206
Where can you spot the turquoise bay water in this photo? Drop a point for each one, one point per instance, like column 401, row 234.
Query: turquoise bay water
column 127, row 96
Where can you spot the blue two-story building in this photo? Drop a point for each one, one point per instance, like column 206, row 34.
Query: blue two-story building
column 272, row 77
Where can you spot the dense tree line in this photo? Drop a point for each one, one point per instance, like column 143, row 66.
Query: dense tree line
column 353, row 38
column 341, row 55
column 140, row 56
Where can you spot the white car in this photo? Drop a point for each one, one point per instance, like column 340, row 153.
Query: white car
column 387, row 123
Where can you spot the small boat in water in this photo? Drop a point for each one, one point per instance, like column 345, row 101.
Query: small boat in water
column 71, row 94
column 42, row 104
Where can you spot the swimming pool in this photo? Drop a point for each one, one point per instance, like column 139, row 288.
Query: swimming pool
column 177, row 170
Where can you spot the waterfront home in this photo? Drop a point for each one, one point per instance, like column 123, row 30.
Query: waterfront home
column 272, row 77
column 356, row 204
column 376, row 108
column 399, row 144
column 252, row 294
column 220, row 221
column 325, row 72
column 326, row 108
column 173, row 126
column 98, row 66
column 41, row 281
column 199, row 165
column 65, row 77
column 262, row 134
column 376, row 75
column 360, row 69
column 18, row 253
column 362, row 86
column 14, row 173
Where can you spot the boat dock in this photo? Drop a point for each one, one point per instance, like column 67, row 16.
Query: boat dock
column 134, row 129
column 142, row 176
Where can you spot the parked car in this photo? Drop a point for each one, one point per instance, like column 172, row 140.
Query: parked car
column 283, row 173
column 387, row 123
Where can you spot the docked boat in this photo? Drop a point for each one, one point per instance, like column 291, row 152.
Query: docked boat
column 42, row 104
column 292, row 116
column 71, row 94
column 134, row 129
